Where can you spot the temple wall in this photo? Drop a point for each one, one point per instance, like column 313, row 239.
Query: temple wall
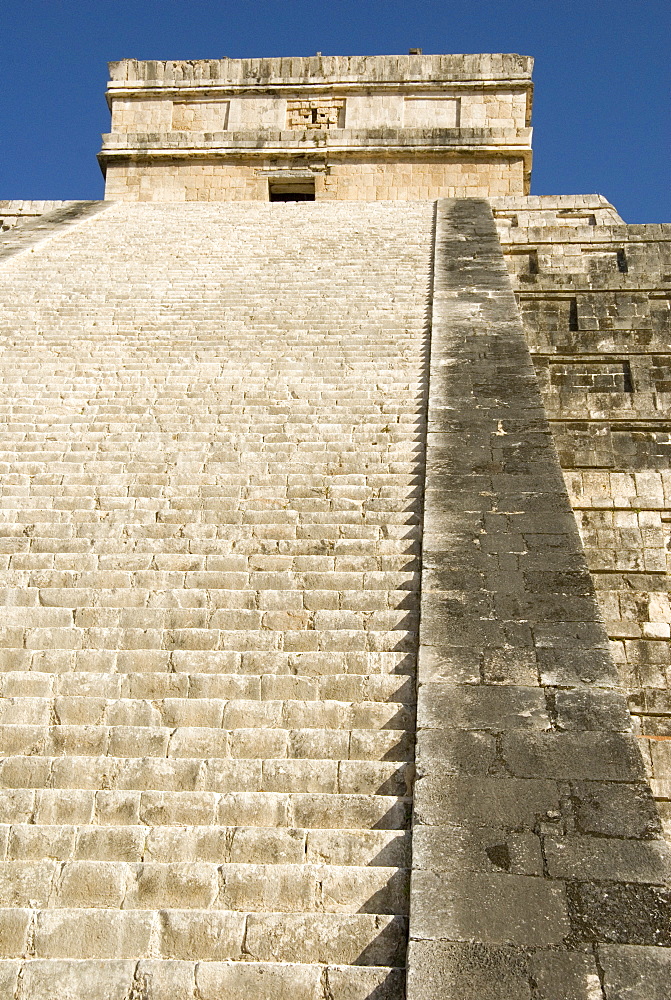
column 355, row 179
column 205, row 113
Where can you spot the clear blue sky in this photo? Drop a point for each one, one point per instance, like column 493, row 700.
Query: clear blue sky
column 601, row 107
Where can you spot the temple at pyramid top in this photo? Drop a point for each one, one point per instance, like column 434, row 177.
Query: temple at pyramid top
column 364, row 128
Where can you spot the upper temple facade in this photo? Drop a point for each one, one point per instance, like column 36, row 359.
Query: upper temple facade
column 352, row 128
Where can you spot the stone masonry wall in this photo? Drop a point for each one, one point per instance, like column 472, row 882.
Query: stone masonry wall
column 501, row 108
column 595, row 297
column 353, row 179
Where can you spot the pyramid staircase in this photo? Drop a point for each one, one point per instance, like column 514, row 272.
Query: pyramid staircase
column 212, row 444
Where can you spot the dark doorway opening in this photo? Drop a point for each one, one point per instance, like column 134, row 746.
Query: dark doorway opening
column 292, row 190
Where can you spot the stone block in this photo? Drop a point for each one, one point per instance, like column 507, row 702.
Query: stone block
column 615, row 809
column 565, row 975
column 92, row 883
column 470, row 971
column 110, row 844
column 96, row 980
column 602, row 859
column 26, row 883
column 165, row 978
column 208, row 937
column 635, row 973
column 358, row 939
column 36, row 842
column 14, row 925
column 620, row 913
column 9, row 974
column 159, row 886
column 581, row 710
column 481, row 849
column 480, row 801
column 494, row 909
column 358, row 983
column 258, row 981
column 573, row 756
column 92, row 934
column 481, row 707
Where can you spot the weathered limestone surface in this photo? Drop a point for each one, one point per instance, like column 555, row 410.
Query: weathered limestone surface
column 213, row 422
column 538, row 857
column 368, row 128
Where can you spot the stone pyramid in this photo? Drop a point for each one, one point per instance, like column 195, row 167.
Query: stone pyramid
column 333, row 552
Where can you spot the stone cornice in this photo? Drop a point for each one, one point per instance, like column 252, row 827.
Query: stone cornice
column 322, row 70
column 261, row 142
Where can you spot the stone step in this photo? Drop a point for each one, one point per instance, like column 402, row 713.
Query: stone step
column 174, row 471
column 305, row 888
column 136, row 516
column 126, row 572
column 106, row 431
column 204, row 935
column 151, row 451
column 212, row 713
column 205, row 743
column 377, row 434
column 201, row 600
column 100, row 487
column 218, row 844
column 103, row 636
column 257, row 663
column 107, row 807
column 353, row 777
column 135, row 570
column 106, row 439
column 358, row 456
column 291, row 418
column 54, row 615
column 334, row 462
column 118, row 979
column 73, row 555
column 241, row 528
column 337, row 534
column 170, row 684
column 363, row 455
column 137, row 524
column 43, row 522
column 153, row 456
